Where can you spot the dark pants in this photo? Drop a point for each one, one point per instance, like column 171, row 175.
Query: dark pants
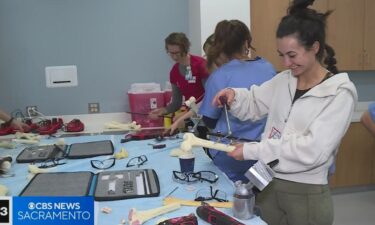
column 289, row 203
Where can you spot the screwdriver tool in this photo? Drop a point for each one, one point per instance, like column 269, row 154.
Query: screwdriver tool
column 224, row 102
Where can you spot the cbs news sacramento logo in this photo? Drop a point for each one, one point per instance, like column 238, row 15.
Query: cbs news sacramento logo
column 50, row 210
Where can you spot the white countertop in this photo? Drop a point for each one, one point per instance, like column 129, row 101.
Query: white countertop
column 94, row 123
column 360, row 108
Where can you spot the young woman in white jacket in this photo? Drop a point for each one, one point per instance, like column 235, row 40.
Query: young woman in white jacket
column 309, row 108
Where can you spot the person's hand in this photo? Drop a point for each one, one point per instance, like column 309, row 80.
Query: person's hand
column 156, row 113
column 18, row 125
column 237, row 153
column 174, row 127
column 227, row 94
column 177, row 116
column 170, row 132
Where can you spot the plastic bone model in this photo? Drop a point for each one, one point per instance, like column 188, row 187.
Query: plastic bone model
column 191, row 141
column 191, row 103
column 122, row 126
column 7, row 144
column 26, row 138
column 139, row 217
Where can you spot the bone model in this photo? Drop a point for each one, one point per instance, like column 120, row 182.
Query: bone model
column 122, row 126
column 191, row 141
column 191, row 103
column 139, row 217
column 26, row 138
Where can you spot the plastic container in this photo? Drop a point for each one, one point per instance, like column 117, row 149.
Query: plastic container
column 243, row 201
column 144, row 97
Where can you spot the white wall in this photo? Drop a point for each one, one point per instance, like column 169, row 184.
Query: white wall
column 205, row 14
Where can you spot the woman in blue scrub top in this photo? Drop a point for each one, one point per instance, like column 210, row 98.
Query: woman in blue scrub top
column 368, row 118
column 230, row 51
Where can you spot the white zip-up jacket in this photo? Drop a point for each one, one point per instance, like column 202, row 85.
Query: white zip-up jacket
column 304, row 135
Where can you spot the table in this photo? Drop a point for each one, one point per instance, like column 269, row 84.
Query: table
column 158, row 159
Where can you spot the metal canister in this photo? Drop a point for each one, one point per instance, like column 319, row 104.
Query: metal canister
column 243, row 201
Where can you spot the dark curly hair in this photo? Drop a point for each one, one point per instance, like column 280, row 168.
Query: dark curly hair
column 309, row 26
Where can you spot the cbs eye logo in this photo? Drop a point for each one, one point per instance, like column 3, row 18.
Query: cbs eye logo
column 4, row 211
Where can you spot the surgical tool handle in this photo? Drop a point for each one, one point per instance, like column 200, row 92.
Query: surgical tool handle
column 224, row 101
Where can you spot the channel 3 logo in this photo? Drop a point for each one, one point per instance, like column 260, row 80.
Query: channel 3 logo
column 5, row 207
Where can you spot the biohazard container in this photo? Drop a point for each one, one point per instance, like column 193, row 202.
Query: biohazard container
column 144, row 97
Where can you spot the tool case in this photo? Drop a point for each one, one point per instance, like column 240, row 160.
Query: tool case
column 34, row 154
column 103, row 186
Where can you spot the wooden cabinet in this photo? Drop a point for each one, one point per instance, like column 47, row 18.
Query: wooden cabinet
column 355, row 161
column 351, row 33
column 351, row 30
column 369, row 36
column 265, row 16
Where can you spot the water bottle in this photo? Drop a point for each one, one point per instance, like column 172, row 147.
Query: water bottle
column 243, row 201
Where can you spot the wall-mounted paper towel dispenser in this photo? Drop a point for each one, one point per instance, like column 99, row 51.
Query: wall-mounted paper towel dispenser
column 61, row 76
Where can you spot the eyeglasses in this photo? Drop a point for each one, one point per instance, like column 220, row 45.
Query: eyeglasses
column 173, row 53
column 55, row 158
column 210, row 194
column 207, row 176
column 137, row 161
column 103, row 164
column 51, row 163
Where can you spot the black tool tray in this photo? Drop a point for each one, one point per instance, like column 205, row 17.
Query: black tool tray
column 104, row 186
column 74, row 151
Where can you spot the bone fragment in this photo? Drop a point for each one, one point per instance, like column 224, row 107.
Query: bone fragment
column 33, row 169
column 28, row 136
column 122, row 126
column 26, row 141
column 106, row 210
column 121, row 154
column 7, row 144
column 3, row 190
column 191, row 103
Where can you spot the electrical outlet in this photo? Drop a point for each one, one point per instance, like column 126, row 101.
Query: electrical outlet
column 94, row 107
column 32, row 110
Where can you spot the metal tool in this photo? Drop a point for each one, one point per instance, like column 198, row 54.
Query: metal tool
column 171, row 192
column 261, row 174
column 224, row 102
column 157, row 146
column 219, row 136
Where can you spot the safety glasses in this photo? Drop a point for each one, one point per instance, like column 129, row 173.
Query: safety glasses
column 51, row 163
column 103, row 164
column 137, row 161
column 207, row 176
column 55, row 159
column 210, row 194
